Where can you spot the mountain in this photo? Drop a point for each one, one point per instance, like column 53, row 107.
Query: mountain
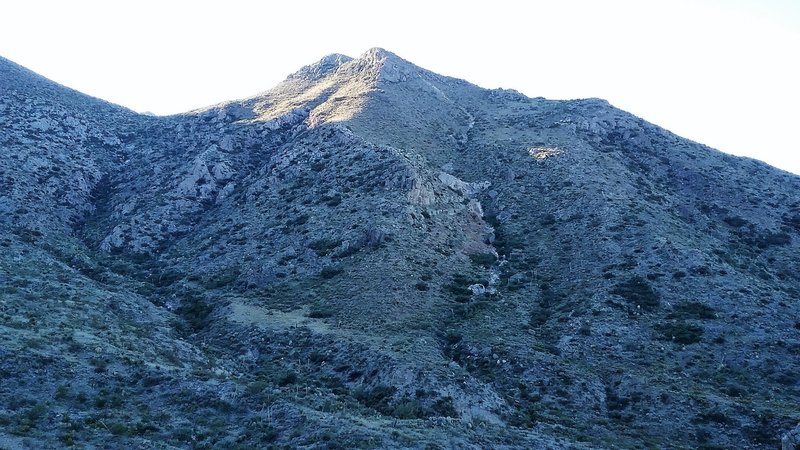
column 371, row 255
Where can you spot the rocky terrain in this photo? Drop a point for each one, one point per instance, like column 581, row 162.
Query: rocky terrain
column 371, row 255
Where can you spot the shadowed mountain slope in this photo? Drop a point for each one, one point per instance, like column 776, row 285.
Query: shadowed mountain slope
column 372, row 255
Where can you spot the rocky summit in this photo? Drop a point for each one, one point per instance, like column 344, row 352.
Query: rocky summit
column 371, row 255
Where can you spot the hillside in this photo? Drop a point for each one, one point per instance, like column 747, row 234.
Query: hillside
column 371, row 255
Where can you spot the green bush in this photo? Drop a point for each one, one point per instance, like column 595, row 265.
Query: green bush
column 693, row 310
column 377, row 398
column 792, row 221
column 443, row 407
column 459, row 287
column 287, row 379
column 320, row 312
column 538, row 317
column 548, row 220
column 329, row 272
column 680, row 332
column 222, row 278
column 773, row 239
column 324, row 247
column 195, row 311
column 408, row 409
column 118, row 429
column 714, row 416
column 299, row 220
column 736, row 221
column 638, row 292
column 483, row 259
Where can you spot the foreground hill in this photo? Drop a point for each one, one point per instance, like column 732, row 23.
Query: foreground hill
column 372, row 255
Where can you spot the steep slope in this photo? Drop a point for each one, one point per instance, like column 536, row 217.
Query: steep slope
column 371, row 254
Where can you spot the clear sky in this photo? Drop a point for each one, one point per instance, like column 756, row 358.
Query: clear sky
column 722, row 72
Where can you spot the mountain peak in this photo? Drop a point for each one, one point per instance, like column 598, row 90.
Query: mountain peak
column 379, row 53
column 381, row 57
column 322, row 67
column 375, row 62
column 385, row 65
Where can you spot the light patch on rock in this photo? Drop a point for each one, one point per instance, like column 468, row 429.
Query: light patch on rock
column 542, row 153
column 461, row 186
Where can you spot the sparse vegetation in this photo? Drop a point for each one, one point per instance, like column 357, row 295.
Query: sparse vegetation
column 324, row 247
column 680, row 332
column 458, row 287
column 329, row 272
column 195, row 311
column 221, row 278
column 483, row 259
column 637, row 291
column 320, row 312
column 693, row 310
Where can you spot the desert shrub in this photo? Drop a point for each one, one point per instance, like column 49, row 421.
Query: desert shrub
column 318, row 166
column 258, row 430
column 693, row 310
column 548, row 220
column 29, row 419
column 503, row 242
column 714, row 416
column 483, row 259
column 792, row 222
column 325, row 246
column 299, row 220
column 538, row 317
column 287, row 379
column 320, row 312
column 27, row 235
column 524, row 418
column 167, row 278
column 443, row 407
column 459, row 287
column 408, row 409
column 222, row 278
column 700, row 271
column 638, row 291
column 763, row 240
column 452, row 338
column 195, row 312
column 377, row 398
column 735, row 221
column 62, row 392
column 118, row 429
column 680, row 332
column 67, row 439
column 773, row 239
column 329, row 272
column 317, row 357
column 332, row 201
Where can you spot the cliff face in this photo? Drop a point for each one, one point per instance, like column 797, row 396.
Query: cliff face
column 371, row 254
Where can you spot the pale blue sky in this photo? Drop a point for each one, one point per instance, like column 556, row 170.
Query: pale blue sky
column 724, row 73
